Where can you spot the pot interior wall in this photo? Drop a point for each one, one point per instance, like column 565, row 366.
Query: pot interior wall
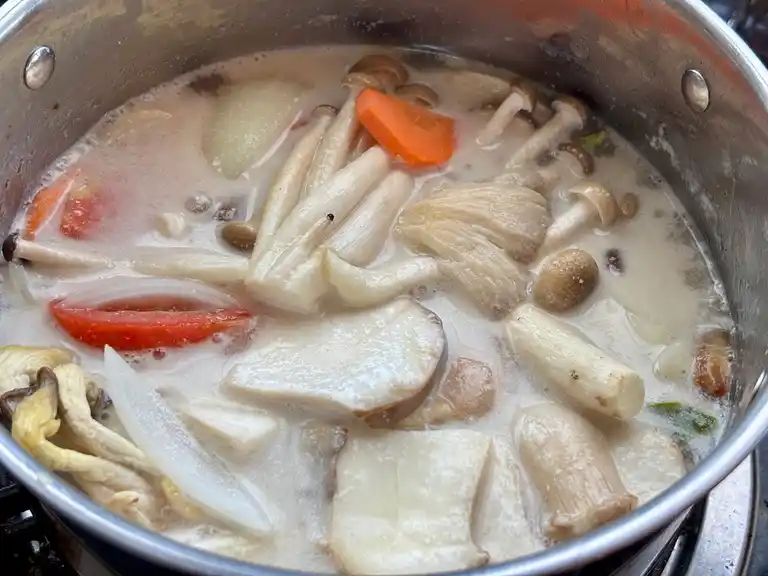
column 626, row 59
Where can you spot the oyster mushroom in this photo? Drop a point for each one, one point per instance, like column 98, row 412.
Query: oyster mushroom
column 570, row 115
column 570, row 464
column 99, row 440
column 373, row 71
column 570, row 158
column 566, row 280
column 419, row 94
column 594, row 206
column 522, row 98
column 19, row 364
column 17, row 248
column 109, row 484
column 286, row 190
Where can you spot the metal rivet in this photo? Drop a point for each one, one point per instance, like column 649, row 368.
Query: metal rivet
column 39, row 67
column 695, row 90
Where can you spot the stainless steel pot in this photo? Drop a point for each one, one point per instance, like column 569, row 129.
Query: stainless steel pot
column 669, row 74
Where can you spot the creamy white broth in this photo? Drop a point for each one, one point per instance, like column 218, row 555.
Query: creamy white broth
column 662, row 296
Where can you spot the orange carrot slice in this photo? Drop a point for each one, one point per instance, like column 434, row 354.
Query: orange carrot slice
column 417, row 135
column 45, row 204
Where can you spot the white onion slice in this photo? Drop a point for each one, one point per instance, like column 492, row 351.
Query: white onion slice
column 123, row 287
column 160, row 433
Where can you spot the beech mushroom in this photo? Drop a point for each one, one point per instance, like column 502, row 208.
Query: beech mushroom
column 594, row 206
column 419, row 94
column 570, row 464
column 579, row 369
column 17, row 248
column 566, row 280
column 522, row 98
column 570, row 115
column 109, row 484
column 569, row 158
column 629, row 206
column 286, row 190
column 712, row 365
column 373, row 71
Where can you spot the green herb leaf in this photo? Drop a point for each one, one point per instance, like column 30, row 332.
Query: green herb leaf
column 598, row 143
column 686, row 417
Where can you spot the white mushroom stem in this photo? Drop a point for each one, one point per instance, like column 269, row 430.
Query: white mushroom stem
column 579, row 369
column 287, row 188
column 362, row 142
column 96, row 438
column 360, row 287
column 521, row 98
column 362, row 236
column 594, row 206
column 543, row 179
column 190, row 263
column 571, row 466
column 54, row 256
column 569, row 115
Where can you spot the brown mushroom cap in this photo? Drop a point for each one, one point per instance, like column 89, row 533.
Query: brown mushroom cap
column 566, row 280
column 629, row 205
column 528, row 92
column 528, row 118
column 570, row 105
column 584, row 158
column 598, row 197
column 419, row 94
column 324, row 110
column 377, row 71
column 239, row 235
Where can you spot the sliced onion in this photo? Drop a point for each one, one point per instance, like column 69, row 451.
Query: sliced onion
column 160, row 433
column 129, row 287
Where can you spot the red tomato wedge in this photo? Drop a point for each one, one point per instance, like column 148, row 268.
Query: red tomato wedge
column 417, row 135
column 85, row 209
column 140, row 327
column 45, row 204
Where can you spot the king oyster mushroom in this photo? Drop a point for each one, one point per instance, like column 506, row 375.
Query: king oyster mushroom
column 565, row 280
column 522, row 98
column 256, row 233
column 373, row 71
column 570, row 115
column 112, row 485
column 594, row 206
column 73, row 384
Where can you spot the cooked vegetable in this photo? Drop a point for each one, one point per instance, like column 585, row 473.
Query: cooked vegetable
column 361, row 287
column 629, row 205
column 247, row 120
column 598, row 143
column 142, row 325
column 581, row 370
column 171, row 224
column 15, row 248
column 190, row 263
column 85, row 209
column 111, row 485
column 568, row 159
column 467, row 391
column 566, row 280
column 362, row 236
column 99, row 440
column 404, row 502
column 685, row 417
column 20, row 364
column 595, row 206
column 201, row 477
column 468, row 89
column 419, row 94
column 217, row 541
column 129, row 123
column 712, row 365
column 46, row 203
column 648, row 460
column 178, row 503
column 408, row 131
column 501, row 526
column 570, row 464
column 358, row 363
column 522, row 97
column 674, row 362
column 287, row 273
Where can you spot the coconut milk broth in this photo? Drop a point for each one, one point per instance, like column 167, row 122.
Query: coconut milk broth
column 663, row 294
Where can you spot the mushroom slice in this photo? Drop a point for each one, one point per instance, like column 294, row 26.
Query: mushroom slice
column 19, row 364
column 203, row 265
column 594, row 206
column 240, row 428
column 648, row 460
column 467, row 391
column 570, row 115
column 522, row 97
column 111, row 485
column 571, row 466
column 483, row 270
column 362, row 236
column 16, row 248
column 581, row 370
column 404, row 502
column 97, row 439
column 360, row 287
column 247, row 119
column 355, row 364
column 376, row 71
column 502, row 528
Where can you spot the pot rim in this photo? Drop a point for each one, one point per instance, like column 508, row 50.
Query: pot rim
column 648, row 519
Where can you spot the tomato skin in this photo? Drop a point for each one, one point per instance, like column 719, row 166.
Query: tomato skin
column 85, row 209
column 132, row 330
